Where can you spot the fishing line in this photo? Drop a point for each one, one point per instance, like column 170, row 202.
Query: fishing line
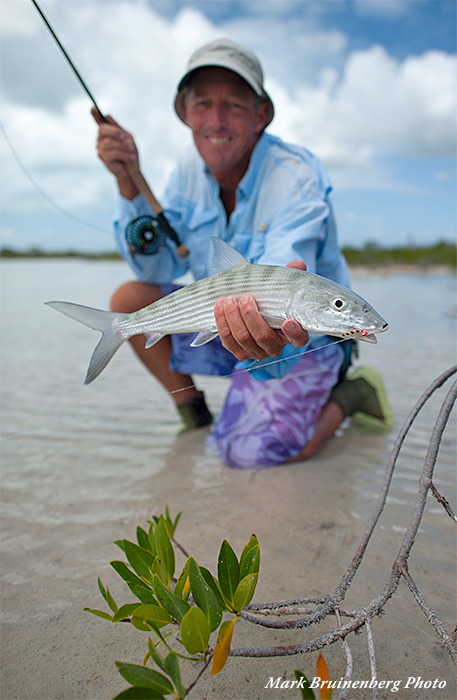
column 41, row 191
column 133, row 169
column 97, row 414
column 267, row 364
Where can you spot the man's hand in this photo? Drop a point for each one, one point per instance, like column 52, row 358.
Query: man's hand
column 245, row 333
column 115, row 147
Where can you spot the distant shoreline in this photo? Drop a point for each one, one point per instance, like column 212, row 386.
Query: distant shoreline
column 440, row 258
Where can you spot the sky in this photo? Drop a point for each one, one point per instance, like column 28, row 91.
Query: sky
column 369, row 86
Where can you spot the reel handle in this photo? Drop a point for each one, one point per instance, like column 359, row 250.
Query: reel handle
column 139, row 181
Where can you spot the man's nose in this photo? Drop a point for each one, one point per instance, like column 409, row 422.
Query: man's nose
column 217, row 116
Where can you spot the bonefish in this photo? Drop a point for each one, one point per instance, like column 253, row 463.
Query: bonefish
column 318, row 304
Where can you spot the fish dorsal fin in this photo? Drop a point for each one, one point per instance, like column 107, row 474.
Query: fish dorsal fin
column 225, row 256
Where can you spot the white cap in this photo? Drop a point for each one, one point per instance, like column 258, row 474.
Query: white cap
column 225, row 53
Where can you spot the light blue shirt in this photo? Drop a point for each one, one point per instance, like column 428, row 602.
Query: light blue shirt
column 282, row 212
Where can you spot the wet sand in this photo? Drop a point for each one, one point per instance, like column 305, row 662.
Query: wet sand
column 82, row 467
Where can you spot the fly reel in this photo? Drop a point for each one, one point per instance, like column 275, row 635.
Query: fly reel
column 145, row 236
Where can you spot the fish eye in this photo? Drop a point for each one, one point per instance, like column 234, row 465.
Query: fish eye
column 339, row 304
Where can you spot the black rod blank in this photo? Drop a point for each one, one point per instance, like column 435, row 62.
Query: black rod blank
column 72, row 65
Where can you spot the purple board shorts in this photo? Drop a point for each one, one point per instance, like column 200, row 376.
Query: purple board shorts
column 263, row 423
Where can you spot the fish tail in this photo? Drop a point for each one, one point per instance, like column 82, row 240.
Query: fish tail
column 101, row 321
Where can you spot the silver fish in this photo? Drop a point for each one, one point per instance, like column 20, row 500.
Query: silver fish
column 281, row 293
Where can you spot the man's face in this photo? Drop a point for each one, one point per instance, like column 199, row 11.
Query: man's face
column 221, row 109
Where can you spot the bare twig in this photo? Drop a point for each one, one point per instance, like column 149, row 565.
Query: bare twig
column 200, row 673
column 349, row 660
column 439, row 627
column 371, row 654
column 179, row 546
column 363, row 615
column 260, row 607
column 443, row 502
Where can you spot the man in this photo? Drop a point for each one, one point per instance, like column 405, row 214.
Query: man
column 269, row 200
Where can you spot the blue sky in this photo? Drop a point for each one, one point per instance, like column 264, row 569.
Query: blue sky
column 367, row 85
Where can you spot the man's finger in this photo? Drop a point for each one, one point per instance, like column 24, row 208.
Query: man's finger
column 264, row 336
column 295, row 333
column 297, row 265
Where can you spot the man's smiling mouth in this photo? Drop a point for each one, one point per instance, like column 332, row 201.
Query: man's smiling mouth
column 218, row 139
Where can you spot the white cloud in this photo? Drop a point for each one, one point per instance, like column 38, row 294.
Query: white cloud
column 351, row 110
column 380, row 105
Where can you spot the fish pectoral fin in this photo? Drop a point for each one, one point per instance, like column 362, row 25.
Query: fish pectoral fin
column 152, row 339
column 203, row 338
column 273, row 321
column 225, row 257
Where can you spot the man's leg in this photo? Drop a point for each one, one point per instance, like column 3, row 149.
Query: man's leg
column 327, row 423
column 363, row 393
column 133, row 296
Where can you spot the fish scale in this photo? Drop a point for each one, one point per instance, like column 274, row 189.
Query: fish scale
column 318, row 304
column 191, row 309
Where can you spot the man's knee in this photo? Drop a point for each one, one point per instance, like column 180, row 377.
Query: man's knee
column 134, row 295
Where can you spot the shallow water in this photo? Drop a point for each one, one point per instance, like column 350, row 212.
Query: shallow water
column 82, row 466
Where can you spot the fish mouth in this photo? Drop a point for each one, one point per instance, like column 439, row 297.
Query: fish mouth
column 368, row 336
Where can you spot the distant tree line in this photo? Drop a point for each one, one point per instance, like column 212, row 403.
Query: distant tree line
column 442, row 253
column 371, row 255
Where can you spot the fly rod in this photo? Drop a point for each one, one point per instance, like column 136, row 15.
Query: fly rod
column 132, row 168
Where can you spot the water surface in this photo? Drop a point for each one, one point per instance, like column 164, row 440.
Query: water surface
column 82, row 466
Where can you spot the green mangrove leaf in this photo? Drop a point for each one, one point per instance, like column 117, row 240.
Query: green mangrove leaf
column 107, row 595
column 101, row 587
column 195, row 631
column 214, row 585
column 141, row 560
column 307, row 693
column 204, row 596
column 222, row 648
column 110, row 600
column 139, row 693
column 128, row 575
column 144, row 677
column 155, row 656
column 245, row 591
column 253, row 541
column 119, row 543
column 250, row 562
column 143, row 539
column 99, row 613
column 159, row 569
column 182, row 587
column 177, row 607
column 171, row 668
column 173, row 523
column 151, row 538
column 125, row 611
column 164, row 547
column 150, row 613
column 144, row 595
column 228, row 571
